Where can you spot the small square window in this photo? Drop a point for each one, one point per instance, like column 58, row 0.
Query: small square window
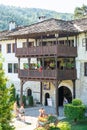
column 85, row 68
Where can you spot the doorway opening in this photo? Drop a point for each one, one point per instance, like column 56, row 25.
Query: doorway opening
column 47, row 95
column 64, row 92
column 29, row 92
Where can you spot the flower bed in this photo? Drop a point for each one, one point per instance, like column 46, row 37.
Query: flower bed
column 42, row 121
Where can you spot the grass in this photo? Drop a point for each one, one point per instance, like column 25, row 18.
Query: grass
column 79, row 125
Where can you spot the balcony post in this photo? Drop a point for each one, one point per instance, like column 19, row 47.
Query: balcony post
column 15, row 44
column 27, row 40
column 56, row 92
column 40, row 92
column 18, row 66
column 21, row 92
column 74, row 89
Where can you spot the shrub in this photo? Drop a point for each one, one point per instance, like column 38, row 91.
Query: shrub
column 64, row 126
column 0, row 127
column 52, row 126
column 24, row 100
column 30, row 100
column 40, row 128
column 12, row 93
column 17, row 99
column 76, row 102
column 52, row 119
column 75, row 110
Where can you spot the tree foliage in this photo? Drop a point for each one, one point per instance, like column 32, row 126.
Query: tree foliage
column 80, row 12
column 5, row 104
column 27, row 16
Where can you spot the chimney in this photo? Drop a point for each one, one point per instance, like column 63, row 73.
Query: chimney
column 41, row 18
column 12, row 25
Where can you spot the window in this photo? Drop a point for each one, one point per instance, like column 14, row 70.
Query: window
column 85, row 68
column 12, row 68
column 13, row 47
column 84, row 43
column 8, row 48
column 15, row 68
column 9, row 68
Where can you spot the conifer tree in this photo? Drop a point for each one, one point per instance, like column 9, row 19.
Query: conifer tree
column 5, row 103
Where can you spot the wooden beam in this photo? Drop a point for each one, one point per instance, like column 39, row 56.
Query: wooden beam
column 41, row 92
column 74, row 89
column 21, row 92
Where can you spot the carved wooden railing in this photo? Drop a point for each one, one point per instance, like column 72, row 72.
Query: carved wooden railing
column 69, row 74
column 59, row 50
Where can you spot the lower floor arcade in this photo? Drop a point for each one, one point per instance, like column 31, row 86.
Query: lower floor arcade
column 47, row 94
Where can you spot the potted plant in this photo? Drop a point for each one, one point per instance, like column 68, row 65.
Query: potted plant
column 52, row 65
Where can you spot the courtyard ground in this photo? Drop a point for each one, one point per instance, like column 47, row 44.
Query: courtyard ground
column 31, row 117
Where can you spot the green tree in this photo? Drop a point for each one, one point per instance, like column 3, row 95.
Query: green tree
column 13, row 93
column 80, row 12
column 5, row 104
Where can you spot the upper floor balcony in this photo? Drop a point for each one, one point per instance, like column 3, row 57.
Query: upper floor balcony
column 68, row 74
column 57, row 50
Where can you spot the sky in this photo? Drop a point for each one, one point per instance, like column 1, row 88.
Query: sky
column 63, row 6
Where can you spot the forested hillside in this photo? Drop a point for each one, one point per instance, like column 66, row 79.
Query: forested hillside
column 27, row 16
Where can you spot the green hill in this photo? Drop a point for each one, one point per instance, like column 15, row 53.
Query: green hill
column 27, row 16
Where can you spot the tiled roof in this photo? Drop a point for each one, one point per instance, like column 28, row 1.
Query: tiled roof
column 47, row 26
column 50, row 25
column 80, row 24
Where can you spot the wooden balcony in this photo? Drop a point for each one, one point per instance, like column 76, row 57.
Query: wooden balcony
column 47, row 74
column 58, row 50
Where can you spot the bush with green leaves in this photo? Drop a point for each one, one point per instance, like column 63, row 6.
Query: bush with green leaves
column 52, row 126
column 0, row 127
column 64, row 126
column 18, row 99
column 74, row 111
column 40, row 128
column 24, row 100
column 52, row 119
column 13, row 93
column 76, row 102
column 6, row 105
column 30, row 100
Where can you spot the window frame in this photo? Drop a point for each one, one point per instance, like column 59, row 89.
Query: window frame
column 85, row 68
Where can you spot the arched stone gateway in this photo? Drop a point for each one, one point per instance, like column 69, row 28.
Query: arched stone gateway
column 64, row 92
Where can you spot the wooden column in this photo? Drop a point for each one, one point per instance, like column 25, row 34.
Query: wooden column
column 74, row 89
column 27, row 40
column 18, row 67
column 56, row 88
column 21, row 92
column 15, row 45
column 56, row 97
column 42, row 66
column 41, row 92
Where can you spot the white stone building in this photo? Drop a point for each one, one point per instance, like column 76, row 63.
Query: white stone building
column 75, row 32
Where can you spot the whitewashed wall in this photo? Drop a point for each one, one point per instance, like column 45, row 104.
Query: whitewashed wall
column 81, row 82
column 13, row 77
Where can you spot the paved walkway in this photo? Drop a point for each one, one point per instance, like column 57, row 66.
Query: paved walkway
column 31, row 116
